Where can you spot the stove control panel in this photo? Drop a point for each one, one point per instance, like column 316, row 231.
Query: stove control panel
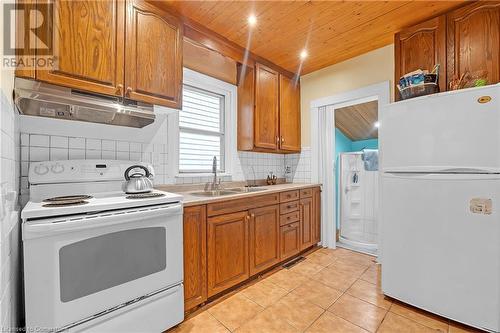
column 53, row 172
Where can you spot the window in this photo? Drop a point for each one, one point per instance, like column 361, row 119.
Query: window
column 201, row 130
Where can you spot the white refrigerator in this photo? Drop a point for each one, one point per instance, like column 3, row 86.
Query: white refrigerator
column 440, row 204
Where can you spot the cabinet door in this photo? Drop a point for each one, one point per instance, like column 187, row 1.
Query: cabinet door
column 306, row 222
column 474, row 39
column 195, row 256
column 289, row 240
column 421, row 47
column 87, row 39
column 316, row 237
column 153, row 56
column 289, row 114
column 227, row 251
column 264, row 238
column 266, row 108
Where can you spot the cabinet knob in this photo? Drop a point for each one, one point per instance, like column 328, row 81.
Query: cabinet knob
column 252, row 215
column 128, row 91
column 119, row 89
column 282, row 139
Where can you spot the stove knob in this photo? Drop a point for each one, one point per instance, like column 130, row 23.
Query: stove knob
column 57, row 168
column 41, row 169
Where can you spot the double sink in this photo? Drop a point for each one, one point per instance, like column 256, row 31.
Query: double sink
column 228, row 191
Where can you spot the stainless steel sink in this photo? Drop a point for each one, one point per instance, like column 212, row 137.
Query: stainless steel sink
column 213, row 193
column 246, row 189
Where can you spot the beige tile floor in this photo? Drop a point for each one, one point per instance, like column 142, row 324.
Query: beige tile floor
column 331, row 291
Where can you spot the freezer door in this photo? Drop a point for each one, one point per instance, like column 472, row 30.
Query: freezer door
column 441, row 244
column 443, row 132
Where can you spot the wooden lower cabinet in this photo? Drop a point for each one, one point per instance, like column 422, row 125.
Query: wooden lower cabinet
column 306, row 222
column 289, row 240
column 264, row 238
column 227, row 242
column 195, row 256
column 227, row 251
column 316, row 233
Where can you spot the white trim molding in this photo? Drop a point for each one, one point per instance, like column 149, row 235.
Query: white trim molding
column 323, row 146
column 229, row 91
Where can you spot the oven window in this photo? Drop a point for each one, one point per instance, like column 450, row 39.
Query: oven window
column 106, row 261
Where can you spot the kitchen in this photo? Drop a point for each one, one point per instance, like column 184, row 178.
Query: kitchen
column 172, row 167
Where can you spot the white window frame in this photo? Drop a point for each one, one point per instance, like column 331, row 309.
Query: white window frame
column 229, row 91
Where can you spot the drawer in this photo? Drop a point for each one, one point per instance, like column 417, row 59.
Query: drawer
column 289, row 196
column 289, row 218
column 289, row 207
column 239, row 205
column 306, row 193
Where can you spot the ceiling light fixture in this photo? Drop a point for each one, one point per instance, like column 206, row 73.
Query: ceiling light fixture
column 252, row 20
column 303, row 54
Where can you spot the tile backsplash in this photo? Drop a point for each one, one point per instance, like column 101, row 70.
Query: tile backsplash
column 40, row 147
column 246, row 166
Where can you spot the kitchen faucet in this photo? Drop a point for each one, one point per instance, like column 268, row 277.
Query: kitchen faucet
column 215, row 185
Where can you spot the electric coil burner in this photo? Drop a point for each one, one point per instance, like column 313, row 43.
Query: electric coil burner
column 69, row 200
column 145, row 195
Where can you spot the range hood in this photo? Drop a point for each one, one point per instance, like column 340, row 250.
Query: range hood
column 36, row 98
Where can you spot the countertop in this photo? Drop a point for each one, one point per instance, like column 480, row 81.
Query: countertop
column 192, row 200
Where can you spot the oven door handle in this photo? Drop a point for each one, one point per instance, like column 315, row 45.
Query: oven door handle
column 100, row 220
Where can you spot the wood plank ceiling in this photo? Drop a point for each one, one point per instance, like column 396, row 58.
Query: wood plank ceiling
column 331, row 31
column 357, row 122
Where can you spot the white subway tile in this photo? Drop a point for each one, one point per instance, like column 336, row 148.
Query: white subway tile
column 37, row 140
column 59, row 142
column 93, row 144
column 109, row 145
column 135, row 147
column 25, row 139
column 77, row 154
column 77, row 143
column 39, row 153
column 123, row 155
column 122, row 146
column 58, row 154
column 108, row 155
column 93, row 154
column 135, row 156
column 25, row 153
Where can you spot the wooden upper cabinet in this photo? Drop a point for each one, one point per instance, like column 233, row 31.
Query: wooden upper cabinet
column 474, row 39
column 87, row 38
column 289, row 114
column 264, row 238
column 153, row 56
column 195, row 256
column 266, row 108
column 227, row 251
column 421, row 47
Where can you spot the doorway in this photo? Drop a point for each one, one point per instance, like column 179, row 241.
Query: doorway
column 356, row 173
column 323, row 166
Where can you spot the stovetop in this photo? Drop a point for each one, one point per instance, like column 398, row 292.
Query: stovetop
column 97, row 202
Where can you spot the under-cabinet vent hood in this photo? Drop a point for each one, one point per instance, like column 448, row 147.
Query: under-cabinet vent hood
column 36, row 98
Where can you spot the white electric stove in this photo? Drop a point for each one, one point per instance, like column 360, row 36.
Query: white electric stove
column 95, row 258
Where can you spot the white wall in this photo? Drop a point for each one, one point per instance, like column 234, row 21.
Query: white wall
column 10, row 278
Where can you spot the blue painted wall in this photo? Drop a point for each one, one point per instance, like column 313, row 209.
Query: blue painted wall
column 360, row 145
column 342, row 145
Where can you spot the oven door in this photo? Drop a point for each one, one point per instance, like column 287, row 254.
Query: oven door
column 79, row 266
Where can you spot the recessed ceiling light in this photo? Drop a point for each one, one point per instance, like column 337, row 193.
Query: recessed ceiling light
column 303, row 54
column 252, row 20
column 377, row 124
